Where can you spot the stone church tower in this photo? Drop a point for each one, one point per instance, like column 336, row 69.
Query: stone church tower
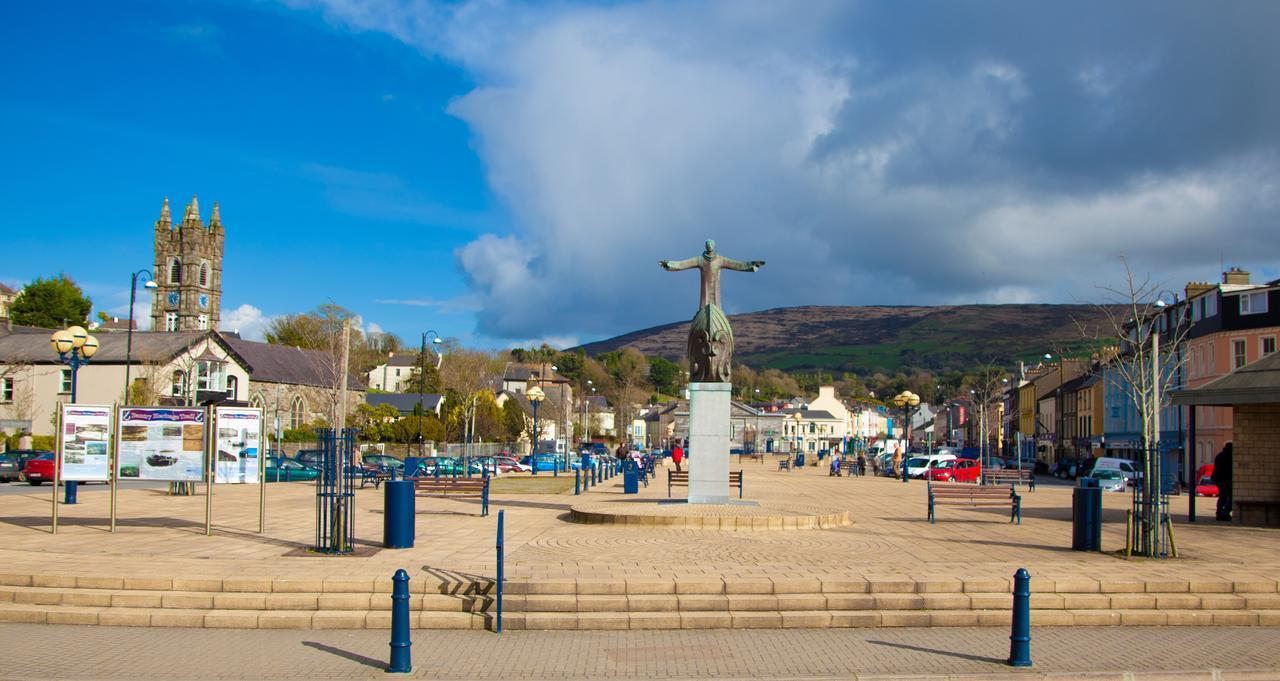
column 188, row 269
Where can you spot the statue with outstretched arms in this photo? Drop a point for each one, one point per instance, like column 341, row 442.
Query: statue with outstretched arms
column 710, row 337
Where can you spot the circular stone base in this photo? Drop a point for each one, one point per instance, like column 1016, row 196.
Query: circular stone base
column 738, row 516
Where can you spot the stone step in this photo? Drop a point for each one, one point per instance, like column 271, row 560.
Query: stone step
column 233, row 619
column 430, row 584
column 239, row 601
column 801, row 602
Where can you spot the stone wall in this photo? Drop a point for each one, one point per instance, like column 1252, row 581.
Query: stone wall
column 1256, row 464
column 277, row 399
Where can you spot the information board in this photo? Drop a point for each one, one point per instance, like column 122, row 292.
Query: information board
column 239, row 435
column 85, row 443
column 161, row 443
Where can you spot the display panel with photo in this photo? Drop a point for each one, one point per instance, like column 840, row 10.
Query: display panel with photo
column 239, row 431
column 161, row 443
column 85, row 446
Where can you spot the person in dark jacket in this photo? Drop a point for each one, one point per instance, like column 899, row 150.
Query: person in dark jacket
column 1222, row 478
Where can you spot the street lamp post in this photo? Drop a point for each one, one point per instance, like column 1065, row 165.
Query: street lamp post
column 795, row 416
column 75, row 347
column 535, row 396
column 422, row 387
column 907, row 401
column 150, row 285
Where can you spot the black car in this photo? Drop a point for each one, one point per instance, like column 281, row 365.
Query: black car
column 9, row 468
column 1065, row 470
column 24, row 454
column 310, row 457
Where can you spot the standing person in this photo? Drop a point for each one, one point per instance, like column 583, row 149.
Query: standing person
column 897, row 460
column 1222, row 478
column 621, row 452
column 677, row 455
column 862, row 465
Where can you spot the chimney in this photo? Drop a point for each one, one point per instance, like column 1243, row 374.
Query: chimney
column 1235, row 275
column 1195, row 288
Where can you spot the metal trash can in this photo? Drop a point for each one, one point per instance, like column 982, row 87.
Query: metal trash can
column 799, row 460
column 630, row 478
column 1086, row 516
column 398, row 514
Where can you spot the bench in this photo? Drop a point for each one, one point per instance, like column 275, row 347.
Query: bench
column 1012, row 476
column 851, row 467
column 459, row 488
column 374, row 475
column 681, row 479
column 963, row 494
column 785, row 464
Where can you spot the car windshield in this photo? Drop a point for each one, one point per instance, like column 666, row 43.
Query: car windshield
column 945, row 464
column 1206, row 480
column 1107, row 474
column 917, row 463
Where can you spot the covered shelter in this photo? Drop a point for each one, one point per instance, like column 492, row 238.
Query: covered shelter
column 1253, row 393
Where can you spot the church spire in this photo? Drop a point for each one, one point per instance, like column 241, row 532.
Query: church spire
column 194, row 208
column 164, row 220
column 215, row 220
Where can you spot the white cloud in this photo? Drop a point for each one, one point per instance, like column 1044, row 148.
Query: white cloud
column 870, row 154
column 247, row 320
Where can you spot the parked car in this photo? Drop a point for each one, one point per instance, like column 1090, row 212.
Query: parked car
column 310, row 457
column 39, row 469
column 1110, row 480
column 955, row 470
column 10, row 467
column 918, row 466
column 508, row 464
column 1205, row 486
column 1127, row 468
column 383, row 463
column 1066, row 470
column 281, row 469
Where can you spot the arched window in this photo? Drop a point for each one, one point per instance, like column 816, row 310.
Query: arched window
column 233, row 385
column 204, row 274
column 179, row 384
column 257, row 402
column 297, row 413
column 175, row 271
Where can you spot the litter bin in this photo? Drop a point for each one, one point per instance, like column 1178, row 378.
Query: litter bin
column 799, row 460
column 1086, row 516
column 398, row 514
column 630, row 478
column 69, row 490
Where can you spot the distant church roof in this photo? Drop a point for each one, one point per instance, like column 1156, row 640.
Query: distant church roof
column 289, row 365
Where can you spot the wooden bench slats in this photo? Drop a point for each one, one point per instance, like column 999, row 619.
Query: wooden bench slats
column 960, row 494
column 681, row 479
column 1013, row 476
column 454, row 488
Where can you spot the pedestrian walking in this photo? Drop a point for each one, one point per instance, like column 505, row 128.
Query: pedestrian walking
column 677, row 455
column 621, row 452
column 1222, row 478
column 862, row 465
column 897, row 460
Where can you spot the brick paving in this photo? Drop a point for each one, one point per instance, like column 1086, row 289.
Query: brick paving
column 75, row 653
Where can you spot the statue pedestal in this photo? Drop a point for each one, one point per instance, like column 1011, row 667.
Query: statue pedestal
column 709, row 442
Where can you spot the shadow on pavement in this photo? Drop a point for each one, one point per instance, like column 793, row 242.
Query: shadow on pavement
column 354, row 657
column 933, row 651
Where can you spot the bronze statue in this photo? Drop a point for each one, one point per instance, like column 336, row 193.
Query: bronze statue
column 710, row 337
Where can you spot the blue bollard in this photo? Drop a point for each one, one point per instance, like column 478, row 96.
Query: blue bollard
column 400, row 643
column 904, row 471
column 69, row 491
column 577, row 483
column 1020, row 636
column 594, row 468
column 498, row 586
column 555, row 468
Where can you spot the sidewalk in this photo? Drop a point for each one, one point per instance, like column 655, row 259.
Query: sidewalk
column 1184, row 653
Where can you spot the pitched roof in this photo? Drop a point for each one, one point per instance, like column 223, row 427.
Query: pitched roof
column 407, row 359
column 5, row 290
column 30, row 345
column 1256, row 383
column 405, row 402
column 598, row 403
column 810, row 414
column 287, row 364
column 523, row 372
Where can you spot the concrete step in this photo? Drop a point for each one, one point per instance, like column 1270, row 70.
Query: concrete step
column 233, row 619
column 418, row 584
column 240, row 601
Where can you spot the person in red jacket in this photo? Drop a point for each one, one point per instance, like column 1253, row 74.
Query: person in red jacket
column 677, row 455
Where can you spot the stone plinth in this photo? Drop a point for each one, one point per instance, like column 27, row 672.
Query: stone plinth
column 709, row 442
column 739, row 516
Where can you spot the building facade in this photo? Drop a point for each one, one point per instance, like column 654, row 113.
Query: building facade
column 188, row 271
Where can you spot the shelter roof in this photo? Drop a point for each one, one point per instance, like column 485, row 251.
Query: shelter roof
column 1256, row 383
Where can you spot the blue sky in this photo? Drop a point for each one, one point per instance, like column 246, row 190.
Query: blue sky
column 507, row 172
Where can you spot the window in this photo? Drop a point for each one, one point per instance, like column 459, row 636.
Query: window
column 1238, row 353
column 175, row 271
column 1268, row 345
column 178, row 384
column 1210, row 305
column 297, row 414
column 1253, row 303
column 257, row 402
column 209, row 375
column 204, row 274
column 6, row 389
column 171, row 321
column 64, row 383
column 202, row 322
column 233, row 384
column 1197, row 309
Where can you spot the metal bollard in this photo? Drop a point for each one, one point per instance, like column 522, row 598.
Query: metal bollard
column 400, row 643
column 1020, row 636
column 577, row 482
column 904, row 472
column 593, row 474
column 498, row 586
column 69, row 491
column 555, row 468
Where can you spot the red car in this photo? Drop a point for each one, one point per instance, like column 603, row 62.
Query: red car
column 1205, row 486
column 958, row 470
column 39, row 470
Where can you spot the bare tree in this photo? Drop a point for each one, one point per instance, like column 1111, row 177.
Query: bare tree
column 628, row 384
column 986, row 388
column 469, row 374
column 1151, row 333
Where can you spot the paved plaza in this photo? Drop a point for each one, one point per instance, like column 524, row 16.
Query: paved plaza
column 1097, row 654
column 162, row 536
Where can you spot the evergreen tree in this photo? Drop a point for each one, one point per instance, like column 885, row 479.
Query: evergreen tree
column 52, row 303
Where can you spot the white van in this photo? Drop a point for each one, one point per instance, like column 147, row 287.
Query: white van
column 917, row 466
column 1127, row 468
